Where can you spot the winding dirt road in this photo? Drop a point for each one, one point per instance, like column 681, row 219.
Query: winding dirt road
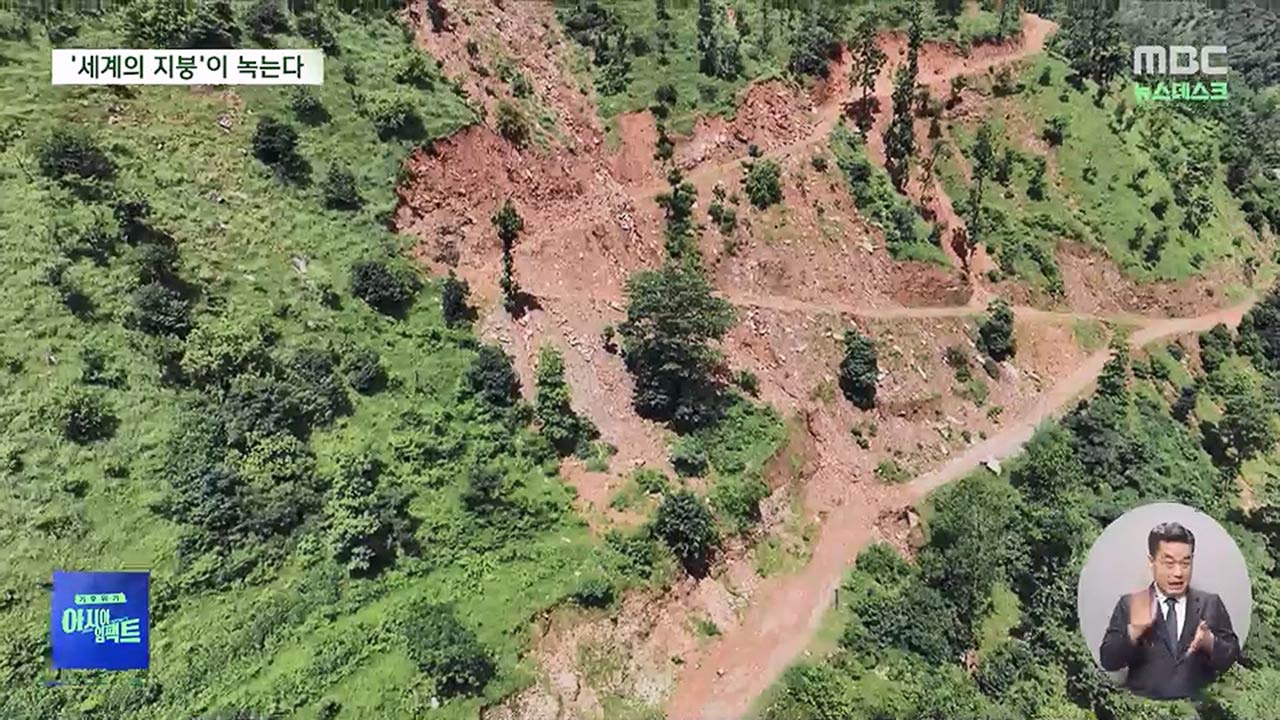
column 787, row 610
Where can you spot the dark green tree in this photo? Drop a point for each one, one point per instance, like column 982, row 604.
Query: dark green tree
column 385, row 290
column 72, row 152
column 340, row 191
column 446, row 650
column 995, row 331
column 672, row 321
column 492, row 377
column 685, row 524
column 83, row 415
column 708, row 52
column 1010, row 18
column 509, row 224
column 860, row 369
column 1216, row 345
column 815, row 41
column 1093, row 42
column 364, row 371
column 157, row 309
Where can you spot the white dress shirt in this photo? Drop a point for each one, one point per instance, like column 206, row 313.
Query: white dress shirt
column 1179, row 603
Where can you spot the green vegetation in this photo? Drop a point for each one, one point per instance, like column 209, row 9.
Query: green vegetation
column 899, row 137
column 1167, row 192
column 509, row 224
column 762, row 183
column 996, row 575
column 346, row 509
column 561, row 426
column 907, row 235
column 995, row 331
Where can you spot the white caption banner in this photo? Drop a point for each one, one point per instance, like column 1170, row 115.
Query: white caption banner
column 188, row 67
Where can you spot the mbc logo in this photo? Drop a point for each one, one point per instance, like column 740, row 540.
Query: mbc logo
column 1178, row 60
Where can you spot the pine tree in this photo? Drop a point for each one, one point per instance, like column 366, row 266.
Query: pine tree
column 563, row 428
column 509, row 224
column 1010, row 17
column 436, row 12
column 899, row 138
column 868, row 60
column 678, row 204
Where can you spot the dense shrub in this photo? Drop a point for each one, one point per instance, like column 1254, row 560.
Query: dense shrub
column 492, row 377
column 763, row 184
column 220, row 350
column 340, row 192
column 447, row 651
column 378, row 285
column 392, row 113
column 319, row 389
column 72, row 152
column 413, row 68
column 859, row 370
column 1004, row 665
column 686, row 525
column 258, row 407
column 689, row 456
column 266, row 18
column 364, row 371
column 156, row 23
column 313, row 27
column 366, row 523
column 156, row 309
column 815, row 42
column 83, row 415
column 213, row 26
column 595, row 592
column 276, row 144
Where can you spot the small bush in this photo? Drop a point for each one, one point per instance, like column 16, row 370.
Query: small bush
column 689, row 456
column 747, row 381
column 595, row 592
column 521, row 87
column 313, row 27
column 392, row 113
column 891, row 472
column 650, row 480
column 492, row 377
column 512, row 124
column 738, row 498
column 375, row 283
column 71, row 152
column 339, row 189
column 763, row 184
column 156, row 23
column 14, row 26
column 364, row 371
column 819, row 162
column 1055, row 130
column 1046, row 76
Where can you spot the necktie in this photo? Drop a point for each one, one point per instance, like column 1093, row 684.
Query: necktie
column 1171, row 621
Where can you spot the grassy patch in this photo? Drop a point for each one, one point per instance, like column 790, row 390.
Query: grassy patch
column 1001, row 619
column 1090, row 335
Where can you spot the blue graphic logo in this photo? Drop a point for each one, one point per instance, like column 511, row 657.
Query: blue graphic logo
column 99, row 620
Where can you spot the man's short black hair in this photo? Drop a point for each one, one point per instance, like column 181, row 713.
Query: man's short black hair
column 1169, row 532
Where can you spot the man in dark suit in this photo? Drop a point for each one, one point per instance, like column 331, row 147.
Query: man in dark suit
column 1173, row 639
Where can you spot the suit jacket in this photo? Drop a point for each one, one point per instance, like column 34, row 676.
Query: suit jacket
column 1159, row 671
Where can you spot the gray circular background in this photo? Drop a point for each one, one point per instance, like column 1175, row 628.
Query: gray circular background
column 1117, row 565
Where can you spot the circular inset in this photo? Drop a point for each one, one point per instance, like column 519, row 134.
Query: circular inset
column 1160, row 563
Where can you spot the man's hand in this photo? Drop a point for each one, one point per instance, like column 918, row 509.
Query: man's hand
column 1203, row 641
column 1139, row 615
